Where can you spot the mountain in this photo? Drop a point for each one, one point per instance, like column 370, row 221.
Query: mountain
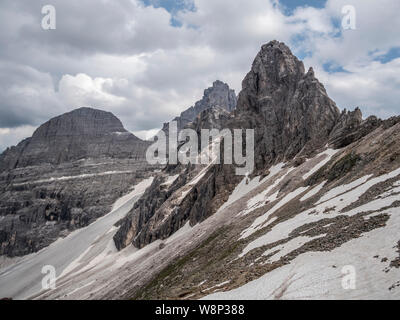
column 292, row 116
column 81, row 133
column 318, row 217
column 219, row 95
column 325, row 188
column 66, row 175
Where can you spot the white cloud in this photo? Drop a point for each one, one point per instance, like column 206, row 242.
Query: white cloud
column 372, row 87
column 82, row 90
column 11, row 136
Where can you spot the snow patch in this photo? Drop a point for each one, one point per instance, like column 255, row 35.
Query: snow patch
column 139, row 188
column 319, row 275
column 81, row 176
column 329, row 153
column 260, row 221
column 170, row 180
column 313, row 191
column 262, row 198
column 343, row 188
column 288, row 247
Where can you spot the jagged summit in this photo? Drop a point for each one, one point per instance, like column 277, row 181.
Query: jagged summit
column 295, row 115
column 289, row 109
column 218, row 95
column 292, row 116
column 275, row 62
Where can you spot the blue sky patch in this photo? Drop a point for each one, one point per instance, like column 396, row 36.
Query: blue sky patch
column 332, row 67
column 291, row 5
column 172, row 6
column 392, row 54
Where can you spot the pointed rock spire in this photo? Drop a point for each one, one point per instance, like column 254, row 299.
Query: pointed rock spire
column 291, row 109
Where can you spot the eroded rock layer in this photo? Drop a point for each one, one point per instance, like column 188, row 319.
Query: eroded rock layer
column 65, row 176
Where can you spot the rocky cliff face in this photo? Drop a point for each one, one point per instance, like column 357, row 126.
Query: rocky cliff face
column 291, row 114
column 152, row 217
column 219, row 95
column 326, row 187
column 289, row 109
column 181, row 194
column 64, row 177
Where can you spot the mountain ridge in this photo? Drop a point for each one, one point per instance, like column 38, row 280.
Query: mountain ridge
column 324, row 195
column 218, row 95
column 292, row 117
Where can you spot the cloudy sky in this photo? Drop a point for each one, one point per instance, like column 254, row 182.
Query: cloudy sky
column 148, row 60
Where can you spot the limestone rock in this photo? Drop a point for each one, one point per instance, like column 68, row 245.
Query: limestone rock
column 219, row 95
column 65, row 176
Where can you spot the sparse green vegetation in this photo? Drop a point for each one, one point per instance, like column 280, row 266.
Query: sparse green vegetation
column 337, row 170
column 342, row 166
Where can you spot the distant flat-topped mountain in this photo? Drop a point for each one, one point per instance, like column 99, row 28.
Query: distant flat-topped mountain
column 64, row 177
column 81, row 133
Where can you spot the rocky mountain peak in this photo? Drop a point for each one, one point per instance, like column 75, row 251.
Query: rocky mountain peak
column 289, row 109
column 218, row 95
column 81, row 133
column 82, row 121
column 273, row 66
column 68, row 174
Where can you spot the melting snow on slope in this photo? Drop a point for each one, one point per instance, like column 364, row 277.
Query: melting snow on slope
column 170, row 180
column 261, row 220
column 282, row 230
column 329, row 153
column 247, row 185
column 343, row 188
column 138, row 189
column 286, row 248
column 313, row 191
column 217, row 285
column 81, row 176
column 262, row 198
column 106, row 247
column 320, row 275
